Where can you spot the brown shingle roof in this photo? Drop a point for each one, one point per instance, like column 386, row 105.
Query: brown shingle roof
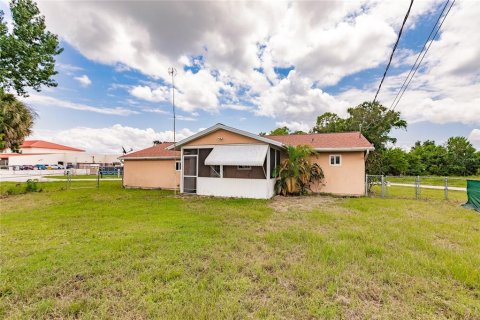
column 157, row 151
column 46, row 145
column 338, row 140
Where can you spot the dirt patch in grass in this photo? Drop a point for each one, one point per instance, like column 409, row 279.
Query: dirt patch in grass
column 304, row 203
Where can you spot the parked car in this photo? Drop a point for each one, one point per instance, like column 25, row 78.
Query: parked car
column 27, row 167
column 40, row 167
column 55, row 167
column 70, row 166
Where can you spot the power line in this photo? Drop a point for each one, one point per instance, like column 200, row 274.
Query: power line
column 394, row 48
column 420, row 53
column 424, row 54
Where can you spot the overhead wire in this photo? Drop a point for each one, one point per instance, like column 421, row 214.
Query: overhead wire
column 415, row 67
column 394, row 48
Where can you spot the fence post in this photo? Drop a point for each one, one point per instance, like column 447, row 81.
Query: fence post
column 69, row 179
column 366, row 185
column 417, row 187
column 383, row 186
column 446, row 188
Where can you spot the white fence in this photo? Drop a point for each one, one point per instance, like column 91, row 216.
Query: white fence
column 43, row 172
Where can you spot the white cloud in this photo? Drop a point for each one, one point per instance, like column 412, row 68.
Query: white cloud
column 37, row 100
column 193, row 91
column 68, row 68
column 159, row 94
column 296, row 104
column 84, row 80
column 446, row 88
column 156, row 110
column 238, row 107
column 474, row 138
column 110, row 139
column 325, row 41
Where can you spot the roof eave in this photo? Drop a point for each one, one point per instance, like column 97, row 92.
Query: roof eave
column 150, row 158
column 351, row 149
column 224, row 127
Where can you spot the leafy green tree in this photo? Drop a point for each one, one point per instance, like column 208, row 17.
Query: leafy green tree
column 16, row 121
column 373, row 119
column 394, row 161
column 330, row 122
column 433, row 158
column 462, row 158
column 297, row 173
column 27, row 52
column 299, row 132
column 282, row 131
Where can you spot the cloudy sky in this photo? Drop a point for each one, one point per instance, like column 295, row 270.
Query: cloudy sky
column 252, row 65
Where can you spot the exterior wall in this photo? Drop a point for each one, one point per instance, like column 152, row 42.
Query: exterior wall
column 150, row 174
column 222, row 137
column 26, row 159
column 346, row 179
column 54, row 158
column 241, row 188
column 44, row 150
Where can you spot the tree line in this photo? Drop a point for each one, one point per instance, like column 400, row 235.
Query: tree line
column 457, row 157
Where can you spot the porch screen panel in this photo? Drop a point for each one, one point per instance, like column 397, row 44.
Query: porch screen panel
column 252, row 173
column 204, row 170
column 189, row 166
column 272, row 161
column 189, row 184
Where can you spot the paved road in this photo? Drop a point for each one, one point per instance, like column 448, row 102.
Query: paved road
column 427, row 186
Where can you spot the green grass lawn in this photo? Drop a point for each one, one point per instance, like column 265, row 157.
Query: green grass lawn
column 114, row 253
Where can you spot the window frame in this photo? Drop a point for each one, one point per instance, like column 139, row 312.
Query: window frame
column 334, row 156
column 178, row 165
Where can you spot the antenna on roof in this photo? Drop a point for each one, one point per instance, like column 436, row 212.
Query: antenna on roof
column 173, row 72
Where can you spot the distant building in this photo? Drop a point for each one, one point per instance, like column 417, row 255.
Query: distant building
column 33, row 152
column 41, row 146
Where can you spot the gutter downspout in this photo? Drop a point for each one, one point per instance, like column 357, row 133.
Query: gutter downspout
column 366, row 155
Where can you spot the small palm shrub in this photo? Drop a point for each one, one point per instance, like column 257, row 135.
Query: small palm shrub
column 296, row 174
column 31, row 185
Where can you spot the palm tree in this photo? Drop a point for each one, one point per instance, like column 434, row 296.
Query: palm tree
column 297, row 173
column 16, row 121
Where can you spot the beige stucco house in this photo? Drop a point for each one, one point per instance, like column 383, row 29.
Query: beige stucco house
column 224, row 161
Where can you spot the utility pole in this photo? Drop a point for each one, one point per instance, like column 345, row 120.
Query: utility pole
column 173, row 72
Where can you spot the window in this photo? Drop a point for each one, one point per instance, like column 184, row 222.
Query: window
column 178, row 165
column 244, row 168
column 335, row 160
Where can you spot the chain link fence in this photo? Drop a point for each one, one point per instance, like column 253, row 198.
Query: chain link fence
column 416, row 187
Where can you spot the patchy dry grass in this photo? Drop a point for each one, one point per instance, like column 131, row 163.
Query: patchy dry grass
column 114, row 253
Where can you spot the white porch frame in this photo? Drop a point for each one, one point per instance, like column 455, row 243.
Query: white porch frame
column 251, row 188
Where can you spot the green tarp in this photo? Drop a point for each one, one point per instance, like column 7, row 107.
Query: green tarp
column 473, row 193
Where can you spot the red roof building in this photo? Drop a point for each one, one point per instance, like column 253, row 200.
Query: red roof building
column 41, row 144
